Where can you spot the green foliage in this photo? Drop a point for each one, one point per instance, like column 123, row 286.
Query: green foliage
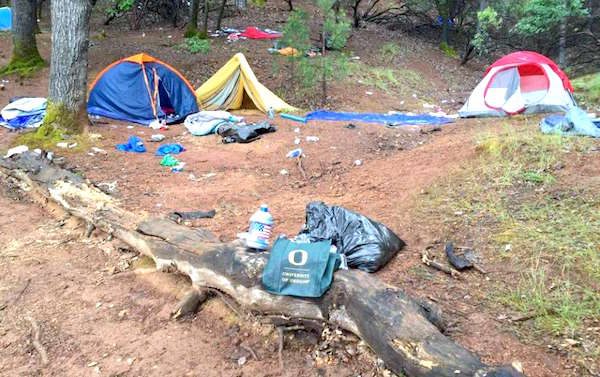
column 24, row 67
column 337, row 28
column 119, row 7
column 448, row 50
column 296, row 32
column 540, row 16
column 196, row 44
column 488, row 19
column 510, row 195
column 587, row 89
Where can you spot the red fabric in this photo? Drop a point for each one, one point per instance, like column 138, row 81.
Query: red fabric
column 252, row 32
column 530, row 58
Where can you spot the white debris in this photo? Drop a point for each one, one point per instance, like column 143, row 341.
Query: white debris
column 312, row 138
column 284, row 172
column 297, row 130
column 16, row 150
column 358, row 162
column 63, row 145
column 297, row 141
column 369, row 93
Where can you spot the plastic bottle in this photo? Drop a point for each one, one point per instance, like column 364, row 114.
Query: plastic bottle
column 261, row 225
column 271, row 113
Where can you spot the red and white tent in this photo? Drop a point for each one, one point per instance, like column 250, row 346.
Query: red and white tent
column 521, row 82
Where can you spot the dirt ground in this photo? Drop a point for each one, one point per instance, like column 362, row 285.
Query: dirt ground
column 95, row 322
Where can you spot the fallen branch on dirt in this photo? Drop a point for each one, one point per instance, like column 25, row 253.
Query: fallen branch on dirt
column 427, row 260
column 394, row 325
column 190, row 303
column 35, row 342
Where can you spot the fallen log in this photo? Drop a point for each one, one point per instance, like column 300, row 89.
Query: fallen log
column 395, row 326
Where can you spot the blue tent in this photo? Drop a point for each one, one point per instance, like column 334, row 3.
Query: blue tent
column 5, row 18
column 141, row 89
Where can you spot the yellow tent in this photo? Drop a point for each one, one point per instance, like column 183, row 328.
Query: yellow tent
column 235, row 86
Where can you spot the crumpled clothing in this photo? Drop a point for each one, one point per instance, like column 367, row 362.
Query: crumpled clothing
column 134, row 144
column 244, row 133
column 207, row 122
column 169, row 149
column 169, row 161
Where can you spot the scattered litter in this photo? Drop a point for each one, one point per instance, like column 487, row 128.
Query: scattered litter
column 350, row 126
column 355, row 58
column 295, row 153
column 98, row 150
column 16, row 150
column 62, row 144
column 22, row 113
column 182, row 217
column 259, row 230
column 367, row 244
column 134, row 144
column 414, row 95
column 158, row 124
column 358, row 162
column 313, row 139
column 169, row 161
column 130, row 360
column 130, row 127
column 110, row 186
column 460, row 262
column 507, row 247
column 178, row 168
column 293, row 117
column 297, row 130
column 92, row 364
column 98, row 305
column 37, row 151
column 369, row 93
column 157, row 137
column 207, row 122
column 297, row 141
column 166, row 149
column 574, row 123
column 284, row 172
column 208, row 175
column 428, row 106
column 244, row 133
column 242, row 360
column 192, row 177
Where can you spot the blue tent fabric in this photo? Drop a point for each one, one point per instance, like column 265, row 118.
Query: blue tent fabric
column 574, row 123
column 169, row 149
column 391, row 119
column 5, row 19
column 122, row 94
column 134, row 144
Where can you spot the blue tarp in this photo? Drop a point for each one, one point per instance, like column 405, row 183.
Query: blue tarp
column 5, row 18
column 391, row 119
column 574, row 123
column 122, row 93
column 25, row 112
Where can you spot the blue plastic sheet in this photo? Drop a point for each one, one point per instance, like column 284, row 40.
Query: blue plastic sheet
column 390, row 119
column 169, row 149
column 5, row 18
column 134, row 144
column 29, row 120
column 574, row 123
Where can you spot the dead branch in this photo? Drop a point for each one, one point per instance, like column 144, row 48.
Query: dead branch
column 427, row 260
column 35, row 334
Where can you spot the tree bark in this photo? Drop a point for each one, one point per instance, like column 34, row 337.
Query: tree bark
column 396, row 327
column 205, row 18
column 562, row 43
column 68, row 69
column 221, row 12
column 192, row 27
column 25, row 52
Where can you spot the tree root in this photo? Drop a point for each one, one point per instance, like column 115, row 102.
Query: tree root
column 35, row 334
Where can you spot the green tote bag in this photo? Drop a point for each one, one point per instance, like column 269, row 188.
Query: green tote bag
column 300, row 269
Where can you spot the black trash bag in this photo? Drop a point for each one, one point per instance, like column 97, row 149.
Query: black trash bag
column 232, row 133
column 367, row 244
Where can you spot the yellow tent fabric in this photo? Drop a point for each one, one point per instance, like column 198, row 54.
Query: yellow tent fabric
column 226, row 89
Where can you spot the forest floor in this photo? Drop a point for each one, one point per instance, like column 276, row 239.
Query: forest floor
column 495, row 185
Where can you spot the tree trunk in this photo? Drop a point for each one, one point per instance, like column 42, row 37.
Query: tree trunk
column 25, row 54
column 221, row 12
column 562, row 43
column 401, row 331
column 205, row 18
column 68, row 69
column 290, row 5
column 192, row 28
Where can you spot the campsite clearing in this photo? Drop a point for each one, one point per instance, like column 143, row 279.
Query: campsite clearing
column 97, row 316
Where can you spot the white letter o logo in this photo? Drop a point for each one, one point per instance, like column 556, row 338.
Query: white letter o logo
column 303, row 257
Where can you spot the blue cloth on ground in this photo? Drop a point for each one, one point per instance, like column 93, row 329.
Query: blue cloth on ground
column 169, row 149
column 391, row 119
column 574, row 123
column 134, row 144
